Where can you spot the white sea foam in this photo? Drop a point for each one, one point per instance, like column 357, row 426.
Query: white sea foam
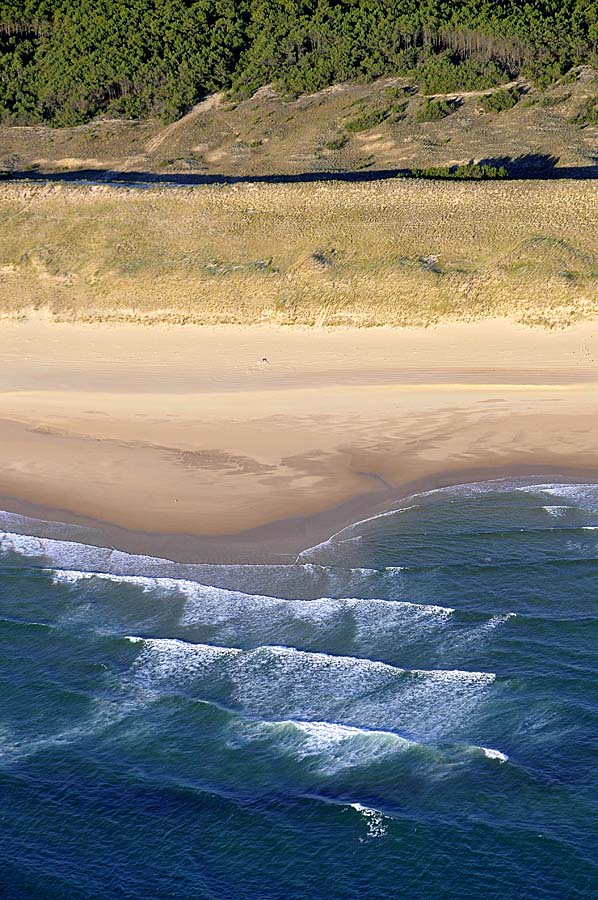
column 83, row 560
column 372, row 622
column 556, row 510
column 481, row 633
column 22, row 544
column 16, row 522
column 260, row 617
column 503, row 617
column 328, row 661
column 327, row 747
column 377, row 822
column 465, row 490
column 163, row 659
column 145, row 583
column 205, row 597
column 336, row 537
column 582, row 496
column 489, row 753
column 273, row 682
column 62, row 554
column 327, row 734
column 74, row 576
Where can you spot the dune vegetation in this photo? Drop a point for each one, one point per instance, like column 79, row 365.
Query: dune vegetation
column 64, row 62
column 404, row 252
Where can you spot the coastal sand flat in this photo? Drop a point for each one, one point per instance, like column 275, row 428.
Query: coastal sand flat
column 217, row 431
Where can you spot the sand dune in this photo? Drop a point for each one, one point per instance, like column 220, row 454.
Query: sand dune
column 400, row 253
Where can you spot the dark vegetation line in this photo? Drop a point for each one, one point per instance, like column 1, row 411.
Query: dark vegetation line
column 63, row 62
column 533, row 166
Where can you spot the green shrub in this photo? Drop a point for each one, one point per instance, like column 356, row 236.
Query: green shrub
column 544, row 102
column 464, row 172
column 445, row 73
column 570, row 76
column 500, row 101
column 337, row 143
column 398, row 111
column 364, row 162
column 588, row 113
column 482, row 172
column 399, row 94
column 367, row 119
column 544, row 70
column 433, row 110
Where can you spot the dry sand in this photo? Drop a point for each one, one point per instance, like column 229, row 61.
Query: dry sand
column 235, row 442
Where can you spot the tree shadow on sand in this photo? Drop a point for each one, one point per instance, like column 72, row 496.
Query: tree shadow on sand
column 540, row 166
column 535, row 166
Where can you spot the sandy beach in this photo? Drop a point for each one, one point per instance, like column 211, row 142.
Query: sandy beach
column 232, row 441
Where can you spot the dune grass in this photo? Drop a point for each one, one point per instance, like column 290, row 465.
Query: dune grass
column 382, row 253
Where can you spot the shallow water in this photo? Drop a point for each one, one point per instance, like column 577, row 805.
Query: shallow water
column 410, row 711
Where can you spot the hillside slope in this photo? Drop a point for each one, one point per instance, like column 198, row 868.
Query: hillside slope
column 354, row 127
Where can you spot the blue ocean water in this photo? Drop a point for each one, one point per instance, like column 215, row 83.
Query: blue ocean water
column 408, row 711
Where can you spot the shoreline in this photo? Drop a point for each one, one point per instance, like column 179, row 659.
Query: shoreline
column 233, row 444
column 277, row 543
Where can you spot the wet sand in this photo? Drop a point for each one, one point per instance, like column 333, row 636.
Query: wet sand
column 255, row 442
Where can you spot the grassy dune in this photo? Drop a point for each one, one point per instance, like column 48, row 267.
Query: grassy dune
column 347, row 127
column 395, row 253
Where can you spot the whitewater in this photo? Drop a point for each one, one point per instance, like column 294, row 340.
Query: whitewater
column 410, row 709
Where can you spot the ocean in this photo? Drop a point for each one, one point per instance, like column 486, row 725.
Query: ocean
column 409, row 710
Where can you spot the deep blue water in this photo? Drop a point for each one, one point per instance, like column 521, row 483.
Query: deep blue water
column 409, row 711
